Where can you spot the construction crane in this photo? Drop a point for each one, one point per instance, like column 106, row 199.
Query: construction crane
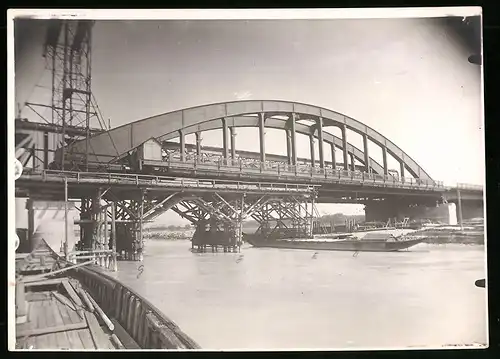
column 74, row 112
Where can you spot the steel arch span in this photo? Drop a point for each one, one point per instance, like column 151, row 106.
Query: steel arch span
column 117, row 143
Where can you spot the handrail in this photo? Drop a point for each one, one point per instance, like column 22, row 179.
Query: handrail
column 313, row 172
column 183, row 182
column 281, row 171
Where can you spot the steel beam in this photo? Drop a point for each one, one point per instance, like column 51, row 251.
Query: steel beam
column 384, row 158
column 320, row 142
column 262, row 137
column 334, row 160
column 232, row 132
column 293, row 138
column 182, row 144
column 459, row 202
column 288, row 146
column 311, row 149
column 198, row 144
column 224, row 139
column 367, row 157
column 344, row 146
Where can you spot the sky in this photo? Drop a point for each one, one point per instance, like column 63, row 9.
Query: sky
column 407, row 78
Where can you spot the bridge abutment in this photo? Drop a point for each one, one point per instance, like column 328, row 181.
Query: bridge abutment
column 45, row 220
column 472, row 209
column 382, row 211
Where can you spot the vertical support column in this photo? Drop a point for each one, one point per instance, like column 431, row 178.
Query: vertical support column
column 45, row 150
column 113, row 233
column 320, row 143
column 31, row 223
column 288, row 147
column 240, row 224
column 367, row 157
column 198, row 145
column 311, row 143
column 65, row 85
column 262, row 136
column 353, row 164
column 384, row 157
column 232, row 133
column 459, row 202
column 311, row 229
column 334, row 160
column 402, row 170
column 96, row 209
column 106, row 238
column 224, row 140
column 182, row 143
column 66, row 249
column 100, row 239
column 344, row 146
column 293, row 139
column 141, row 214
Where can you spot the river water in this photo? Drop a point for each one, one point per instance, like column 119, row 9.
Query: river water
column 265, row 298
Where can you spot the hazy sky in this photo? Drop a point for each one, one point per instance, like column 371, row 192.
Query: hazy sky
column 406, row 78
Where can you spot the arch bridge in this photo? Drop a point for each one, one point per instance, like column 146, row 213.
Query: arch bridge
column 144, row 149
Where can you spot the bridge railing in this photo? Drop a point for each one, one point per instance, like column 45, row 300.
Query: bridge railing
column 469, row 186
column 164, row 181
column 284, row 170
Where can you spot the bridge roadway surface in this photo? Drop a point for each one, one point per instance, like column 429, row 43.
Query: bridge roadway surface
column 330, row 186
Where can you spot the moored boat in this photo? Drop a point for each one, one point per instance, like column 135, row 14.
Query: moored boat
column 371, row 242
column 60, row 305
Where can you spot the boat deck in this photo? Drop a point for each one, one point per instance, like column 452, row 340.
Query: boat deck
column 54, row 315
column 63, row 305
column 52, row 324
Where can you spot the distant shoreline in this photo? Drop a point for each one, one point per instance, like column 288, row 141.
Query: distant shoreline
column 169, row 235
column 435, row 235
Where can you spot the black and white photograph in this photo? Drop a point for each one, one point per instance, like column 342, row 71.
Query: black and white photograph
column 243, row 180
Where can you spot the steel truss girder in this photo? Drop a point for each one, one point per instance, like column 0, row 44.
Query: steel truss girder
column 219, row 213
column 285, row 218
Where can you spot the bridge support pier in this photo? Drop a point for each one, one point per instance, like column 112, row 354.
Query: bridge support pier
column 281, row 218
column 95, row 230
column 217, row 218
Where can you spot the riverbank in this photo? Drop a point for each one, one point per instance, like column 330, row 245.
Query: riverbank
column 453, row 234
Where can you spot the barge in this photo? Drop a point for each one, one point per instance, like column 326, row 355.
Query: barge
column 371, row 242
column 62, row 305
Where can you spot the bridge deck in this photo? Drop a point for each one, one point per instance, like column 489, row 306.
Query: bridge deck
column 294, row 174
column 124, row 181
